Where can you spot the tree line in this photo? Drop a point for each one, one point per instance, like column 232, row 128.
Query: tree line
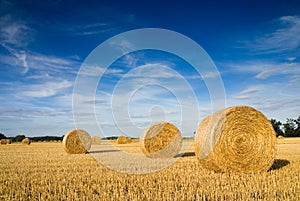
column 291, row 128
column 19, row 138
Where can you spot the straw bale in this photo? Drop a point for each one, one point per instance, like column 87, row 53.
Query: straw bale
column 161, row 140
column 122, row 140
column 236, row 139
column 77, row 141
column 129, row 140
column 26, row 141
column 3, row 141
column 96, row 140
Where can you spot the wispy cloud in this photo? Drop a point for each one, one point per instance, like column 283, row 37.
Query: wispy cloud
column 15, row 35
column 263, row 70
column 47, row 89
column 14, row 32
column 284, row 38
column 248, row 93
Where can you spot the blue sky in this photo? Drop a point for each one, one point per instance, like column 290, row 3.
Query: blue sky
column 255, row 46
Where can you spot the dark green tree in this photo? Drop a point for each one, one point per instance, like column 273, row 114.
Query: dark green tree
column 297, row 121
column 290, row 128
column 277, row 127
column 19, row 138
column 2, row 136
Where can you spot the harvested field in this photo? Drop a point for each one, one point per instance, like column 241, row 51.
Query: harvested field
column 44, row 171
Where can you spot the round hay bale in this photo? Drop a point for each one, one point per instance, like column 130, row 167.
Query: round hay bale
column 280, row 137
column 8, row 141
column 161, row 140
column 26, row 141
column 77, row 141
column 236, row 139
column 122, row 140
column 129, row 140
column 96, row 140
column 3, row 141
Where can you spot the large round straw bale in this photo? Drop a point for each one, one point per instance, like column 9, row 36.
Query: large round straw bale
column 161, row 140
column 96, row 140
column 8, row 141
column 77, row 141
column 122, row 140
column 3, row 141
column 236, row 139
column 26, row 141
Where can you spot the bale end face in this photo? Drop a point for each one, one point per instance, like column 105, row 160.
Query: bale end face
column 236, row 139
column 122, row 140
column 96, row 140
column 77, row 141
column 161, row 140
column 26, row 141
column 3, row 141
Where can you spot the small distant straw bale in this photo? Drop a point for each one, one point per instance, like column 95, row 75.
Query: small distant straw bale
column 3, row 141
column 77, row 141
column 26, row 141
column 8, row 141
column 236, row 139
column 122, row 140
column 96, row 140
column 161, row 140
column 280, row 137
column 129, row 140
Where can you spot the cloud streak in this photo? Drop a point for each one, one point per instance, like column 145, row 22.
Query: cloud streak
column 284, row 38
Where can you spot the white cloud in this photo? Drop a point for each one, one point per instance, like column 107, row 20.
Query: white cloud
column 291, row 69
column 95, row 70
column 249, row 93
column 47, row 89
column 14, row 32
column 262, row 70
column 285, row 38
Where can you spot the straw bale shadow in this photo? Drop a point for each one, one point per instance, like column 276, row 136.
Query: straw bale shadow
column 279, row 163
column 103, row 151
column 185, row 154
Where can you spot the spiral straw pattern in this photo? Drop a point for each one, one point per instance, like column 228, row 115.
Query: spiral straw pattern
column 161, row 140
column 77, row 141
column 236, row 139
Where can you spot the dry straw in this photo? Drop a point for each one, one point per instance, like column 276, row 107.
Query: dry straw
column 236, row 139
column 280, row 137
column 96, row 140
column 8, row 141
column 161, row 140
column 26, row 141
column 3, row 141
column 77, row 141
column 122, row 140
column 129, row 140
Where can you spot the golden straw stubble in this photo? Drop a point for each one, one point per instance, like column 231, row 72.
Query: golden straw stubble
column 236, row 139
column 161, row 140
column 77, row 141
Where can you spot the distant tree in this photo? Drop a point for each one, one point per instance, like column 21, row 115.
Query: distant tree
column 290, row 128
column 297, row 122
column 2, row 136
column 19, row 138
column 277, row 127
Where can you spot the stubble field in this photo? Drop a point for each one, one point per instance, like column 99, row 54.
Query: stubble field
column 43, row 171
